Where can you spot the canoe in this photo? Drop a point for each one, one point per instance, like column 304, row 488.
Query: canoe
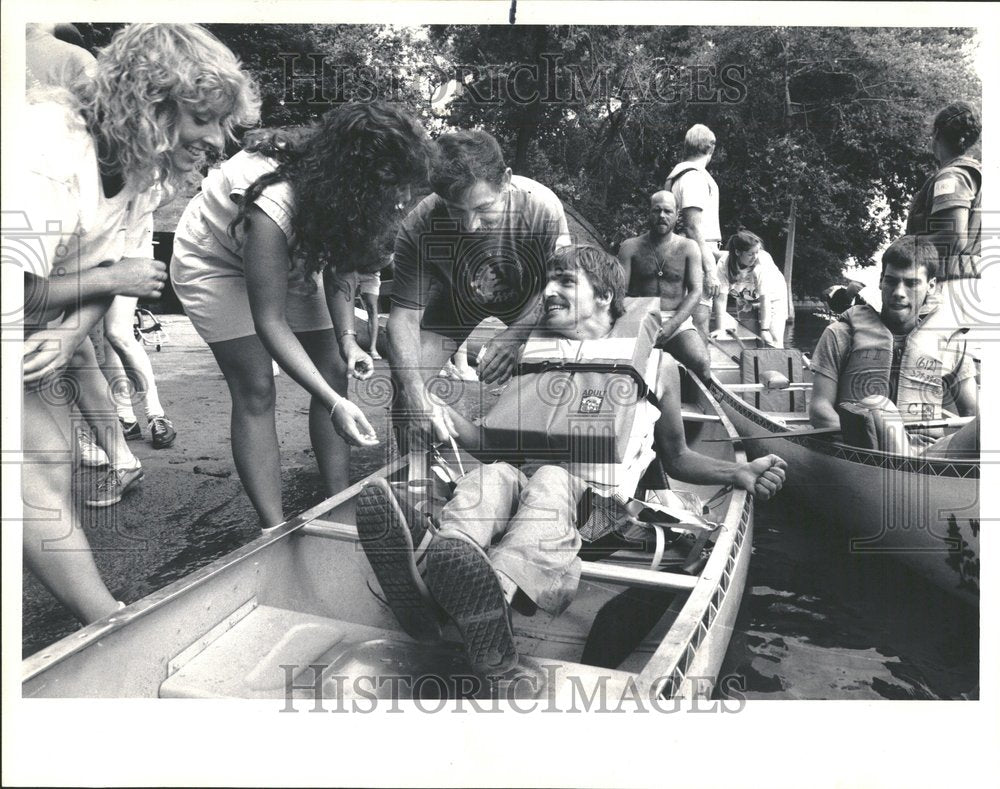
column 296, row 614
column 923, row 513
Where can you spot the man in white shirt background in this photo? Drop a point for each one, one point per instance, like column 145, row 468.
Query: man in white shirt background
column 697, row 197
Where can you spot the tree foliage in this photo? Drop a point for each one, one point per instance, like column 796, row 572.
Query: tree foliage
column 836, row 119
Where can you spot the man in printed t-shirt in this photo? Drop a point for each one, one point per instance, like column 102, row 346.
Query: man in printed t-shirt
column 476, row 248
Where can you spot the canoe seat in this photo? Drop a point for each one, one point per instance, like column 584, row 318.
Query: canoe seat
column 754, row 362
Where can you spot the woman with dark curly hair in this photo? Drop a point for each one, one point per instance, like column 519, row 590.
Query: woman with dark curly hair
column 94, row 164
column 265, row 259
column 947, row 207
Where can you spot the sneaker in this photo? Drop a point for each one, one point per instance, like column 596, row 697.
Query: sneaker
column 114, row 485
column 162, row 431
column 131, row 430
column 91, row 455
column 386, row 538
column 465, row 585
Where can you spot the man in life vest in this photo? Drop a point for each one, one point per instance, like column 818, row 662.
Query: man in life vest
column 874, row 371
column 667, row 266
column 508, row 535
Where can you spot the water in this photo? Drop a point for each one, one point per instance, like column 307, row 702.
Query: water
column 815, row 622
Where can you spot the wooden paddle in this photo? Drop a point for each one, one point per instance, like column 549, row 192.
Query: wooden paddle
column 825, row 431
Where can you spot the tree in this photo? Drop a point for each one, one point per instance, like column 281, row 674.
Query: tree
column 836, row 119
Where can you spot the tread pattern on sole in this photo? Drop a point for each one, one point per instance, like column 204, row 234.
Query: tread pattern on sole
column 464, row 584
column 386, row 541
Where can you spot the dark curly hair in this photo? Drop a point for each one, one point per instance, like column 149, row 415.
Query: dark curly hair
column 959, row 126
column 344, row 172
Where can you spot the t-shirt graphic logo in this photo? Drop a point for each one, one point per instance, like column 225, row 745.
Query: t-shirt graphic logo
column 496, row 280
column 591, row 401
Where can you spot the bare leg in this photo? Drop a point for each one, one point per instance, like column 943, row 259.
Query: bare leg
column 121, row 386
column 701, row 315
column 55, row 547
column 98, row 407
column 689, row 349
column 247, row 368
column 118, row 330
column 333, row 455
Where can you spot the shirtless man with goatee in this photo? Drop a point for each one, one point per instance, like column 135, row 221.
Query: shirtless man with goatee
column 661, row 263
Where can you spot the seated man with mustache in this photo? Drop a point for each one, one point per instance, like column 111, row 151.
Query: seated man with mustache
column 510, row 534
column 663, row 264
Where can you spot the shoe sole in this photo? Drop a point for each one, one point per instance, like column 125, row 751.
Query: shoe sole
column 465, row 585
column 165, row 444
column 101, row 504
column 385, row 538
column 132, row 435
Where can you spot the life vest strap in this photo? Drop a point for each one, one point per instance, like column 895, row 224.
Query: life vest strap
column 532, row 368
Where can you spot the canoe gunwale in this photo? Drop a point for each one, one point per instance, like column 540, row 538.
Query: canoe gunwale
column 669, row 665
column 79, row 640
column 937, row 467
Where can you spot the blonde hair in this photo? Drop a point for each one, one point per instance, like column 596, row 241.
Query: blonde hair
column 130, row 102
column 699, row 140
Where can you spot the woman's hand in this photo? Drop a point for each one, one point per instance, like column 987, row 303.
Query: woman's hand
column 359, row 362
column 351, row 424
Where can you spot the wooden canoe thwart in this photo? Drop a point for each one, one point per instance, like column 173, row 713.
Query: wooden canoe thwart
column 297, row 614
column 923, row 512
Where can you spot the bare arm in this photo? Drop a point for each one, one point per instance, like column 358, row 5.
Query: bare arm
column 952, row 228
column 719, row 304
column 967, row 398
column 763, row 477
column 403, row 332
column 500, row 354
column 822, row 406
column 405, row 357
column 625, row 258
column 50, row 349
column 692, row 224
column 140, row 277
column 266, row 263
column 339, row 290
